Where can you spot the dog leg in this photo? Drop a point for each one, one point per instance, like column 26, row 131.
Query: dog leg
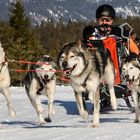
column 35, row 101
column 50, row 105
column 50, row 109
column 136, row 105
column 39, row 109
column 8, row 97
column 113, row 97
column 96, row 112
column 109, row 76
column 80, row 106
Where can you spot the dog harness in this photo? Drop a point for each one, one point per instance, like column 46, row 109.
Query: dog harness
column 3, row 64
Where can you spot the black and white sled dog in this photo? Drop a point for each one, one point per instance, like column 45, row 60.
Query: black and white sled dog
column 131, row 74
column 5, row 82
column 86, row 71
column 41, row 80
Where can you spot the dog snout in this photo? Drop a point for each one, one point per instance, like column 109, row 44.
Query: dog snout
column 65, row 64
column 46, row 76
column 45, row 79
column 126, row 76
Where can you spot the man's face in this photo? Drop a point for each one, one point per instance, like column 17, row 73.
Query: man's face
column 105, row 20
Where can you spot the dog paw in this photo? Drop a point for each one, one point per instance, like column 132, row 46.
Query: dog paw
column 114, row 107
column 12, row 114
column 84, row 115
column 95, row 125
column 48, row 120
column 42, row 123
column 136, row 121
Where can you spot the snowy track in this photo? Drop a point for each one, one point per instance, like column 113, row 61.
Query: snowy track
column 66, row 123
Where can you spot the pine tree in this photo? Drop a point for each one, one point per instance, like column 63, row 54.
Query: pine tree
column 25, row 45
column 18, row 19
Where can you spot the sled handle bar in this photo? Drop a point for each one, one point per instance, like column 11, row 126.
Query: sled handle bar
column 127, row 38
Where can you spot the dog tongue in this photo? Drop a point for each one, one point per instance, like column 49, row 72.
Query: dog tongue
column 129, row 84
column 67, row 71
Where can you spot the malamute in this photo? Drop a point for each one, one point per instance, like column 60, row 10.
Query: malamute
column 5, row 82
column 41, row 80
column 86, row 71
column 131, row 74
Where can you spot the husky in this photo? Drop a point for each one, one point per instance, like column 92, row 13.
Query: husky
column 41, row 80
column 131, row 74
column 5, row 82
column 86, row 71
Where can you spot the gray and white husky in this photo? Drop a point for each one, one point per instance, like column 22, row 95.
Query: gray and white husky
column 86, row 71
column 131, row 74
column 41, row 80
column 5, row 82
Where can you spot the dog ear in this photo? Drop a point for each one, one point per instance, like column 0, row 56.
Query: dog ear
column 79, row 43
column 123, row 60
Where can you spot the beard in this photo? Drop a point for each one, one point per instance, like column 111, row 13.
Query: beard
column 105, row 29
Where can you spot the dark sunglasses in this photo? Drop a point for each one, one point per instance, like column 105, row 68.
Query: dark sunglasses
column 106, row 19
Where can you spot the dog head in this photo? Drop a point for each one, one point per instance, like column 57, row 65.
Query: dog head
column 73, row 58
column 45, row 68
column 131, row 69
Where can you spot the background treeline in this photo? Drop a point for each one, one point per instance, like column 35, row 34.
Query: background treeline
column 24, row 42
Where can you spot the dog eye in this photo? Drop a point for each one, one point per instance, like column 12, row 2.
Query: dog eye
column 62, row 57
column 72, row 56
column 49, row 59
column 131, row 68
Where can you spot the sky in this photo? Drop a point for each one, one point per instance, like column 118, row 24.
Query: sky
column 66, row 123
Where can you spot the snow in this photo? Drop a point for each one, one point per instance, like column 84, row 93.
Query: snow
column 66, row 123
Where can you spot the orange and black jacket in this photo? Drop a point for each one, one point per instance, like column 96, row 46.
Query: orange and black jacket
column 132, row 46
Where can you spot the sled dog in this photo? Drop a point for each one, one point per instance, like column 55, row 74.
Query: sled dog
column 5, row 82
column 86, row 71
column 131, row 74
column 41, row 80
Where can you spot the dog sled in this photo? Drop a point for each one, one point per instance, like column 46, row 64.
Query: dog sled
column 121, row 90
